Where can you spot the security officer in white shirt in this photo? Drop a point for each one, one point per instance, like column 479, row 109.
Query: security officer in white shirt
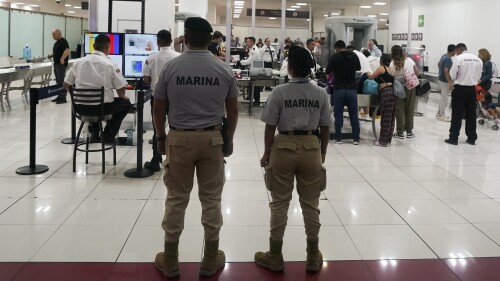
column 268, row 54
column 311, row 45
column 253, row 54
column 95, row 71
column 152, row 68
column 466, row 72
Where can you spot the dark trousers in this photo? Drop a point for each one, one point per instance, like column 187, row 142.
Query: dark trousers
column 119, row 108
column 60, row 73
column 349, row 98
column 256, row 93
column 156, row 155
column 463, row 98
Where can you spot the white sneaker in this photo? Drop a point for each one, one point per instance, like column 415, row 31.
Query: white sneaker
column 337, row 141
column 443, row 118
column 355, row 142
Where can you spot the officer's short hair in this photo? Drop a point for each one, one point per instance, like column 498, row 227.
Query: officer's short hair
column 251, row 38
column 461, row 46
column 309, row 41
column 350, row 48
column 217, row 35
column 164, row 36
column 366, row 53
column 451, row 48
column 300, row 60
column 197, row 32
column 339, row 44
column 101, row 42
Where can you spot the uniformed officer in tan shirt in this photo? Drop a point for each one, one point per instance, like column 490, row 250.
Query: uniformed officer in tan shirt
column 193, row 89
column 297, row 109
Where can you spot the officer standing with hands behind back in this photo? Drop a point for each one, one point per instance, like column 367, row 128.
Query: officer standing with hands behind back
column 193, row 89
column 297, row 109
column 466, row 72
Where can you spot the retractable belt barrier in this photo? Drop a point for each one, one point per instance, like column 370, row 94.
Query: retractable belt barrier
column 142, row 97
column 36, row 95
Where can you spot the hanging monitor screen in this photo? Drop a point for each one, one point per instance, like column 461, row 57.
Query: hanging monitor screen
column 132, row 66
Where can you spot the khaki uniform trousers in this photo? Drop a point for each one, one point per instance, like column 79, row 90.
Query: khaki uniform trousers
column 405, row 111
column 186, row 151
column 295, row 157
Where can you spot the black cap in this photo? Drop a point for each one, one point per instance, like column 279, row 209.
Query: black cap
column 198, row 24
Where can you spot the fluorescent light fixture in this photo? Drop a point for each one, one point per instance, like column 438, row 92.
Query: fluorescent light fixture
column 307, row 19
column 301, row 4
column 272, row 18
column 365, row 7
column 238, row 6
column 290, row 9
column 326, row 16
column 76, row 7
column 34, row 5
column 379, row 3
column 71, row 12
column 372, row 16
column 239, row 2
column 237, row 11
column 382, row 19
column 67, row 5
column 296, row 7
column 335, row 14
column 17, row 3
column 177, row 5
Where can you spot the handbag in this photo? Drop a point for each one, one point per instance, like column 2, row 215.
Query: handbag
column 398, row 88
column 411, row 79
column 423, row 88
column 370, row 87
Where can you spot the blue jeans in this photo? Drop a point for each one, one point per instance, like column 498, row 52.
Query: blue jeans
column 349, row 98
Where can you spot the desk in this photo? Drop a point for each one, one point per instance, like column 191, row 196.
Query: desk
column 7, row 76
column 253, row 82
column 370, row 101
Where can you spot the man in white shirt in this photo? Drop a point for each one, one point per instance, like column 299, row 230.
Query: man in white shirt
column 268, row 53
column 373, row 48
column 152, row 68
column 95, row 71
column 311, row 45
column 466, row 72
column 253, row 54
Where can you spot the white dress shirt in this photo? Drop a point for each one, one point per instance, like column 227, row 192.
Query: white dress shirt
column 365, row 64
column 155, row 63
column 374, row 62
column 95, row 71
column 466, row 69
column 268, row 54
column 253, row 54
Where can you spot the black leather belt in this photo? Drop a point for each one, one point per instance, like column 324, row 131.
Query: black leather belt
column 211, row 128
column 298, row 133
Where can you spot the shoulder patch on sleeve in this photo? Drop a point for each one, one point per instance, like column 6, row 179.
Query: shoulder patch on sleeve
column 147, row 62
column 117, row 70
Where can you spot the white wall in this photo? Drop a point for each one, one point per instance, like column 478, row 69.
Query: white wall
column 449, row 22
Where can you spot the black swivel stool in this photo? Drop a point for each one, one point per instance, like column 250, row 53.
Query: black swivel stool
column 88, row 107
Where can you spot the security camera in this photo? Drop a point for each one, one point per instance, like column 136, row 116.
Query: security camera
column 58, row 1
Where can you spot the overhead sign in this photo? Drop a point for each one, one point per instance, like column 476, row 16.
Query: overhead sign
column 404, row 37
column 277, row 14
column 421, row 21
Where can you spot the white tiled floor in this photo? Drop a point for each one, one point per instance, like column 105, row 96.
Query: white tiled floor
column 418, row 198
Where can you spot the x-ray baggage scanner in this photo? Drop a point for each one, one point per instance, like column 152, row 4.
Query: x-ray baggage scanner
column 352, row 30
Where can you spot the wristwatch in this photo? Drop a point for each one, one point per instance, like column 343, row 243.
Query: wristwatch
column 161, row 138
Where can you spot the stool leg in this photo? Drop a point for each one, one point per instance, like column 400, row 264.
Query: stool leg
column 76, row 145
column 87, row 140
column 114, row 152
column 102, row 148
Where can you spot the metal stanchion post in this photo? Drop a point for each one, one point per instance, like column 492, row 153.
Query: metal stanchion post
column 32, row 168
column 139, row 171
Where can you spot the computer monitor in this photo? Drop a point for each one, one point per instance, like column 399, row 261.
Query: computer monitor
column 140, row 44
column 118, row 60
column 133, row 66
column 114, row 38
column 257, row 64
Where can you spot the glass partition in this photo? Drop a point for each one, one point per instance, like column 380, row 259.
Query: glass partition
column 26, row 28
column 4, row 33
column 73, row 32
column 50, row 23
